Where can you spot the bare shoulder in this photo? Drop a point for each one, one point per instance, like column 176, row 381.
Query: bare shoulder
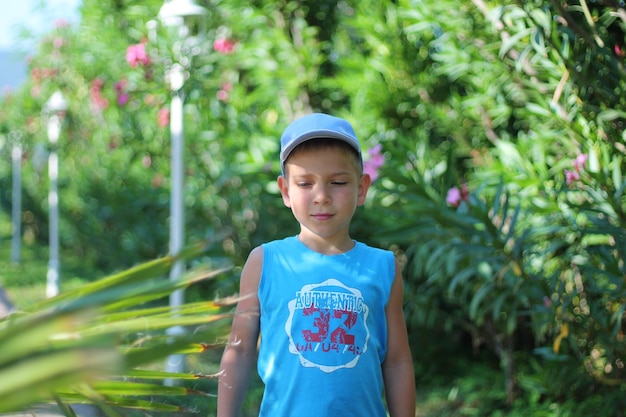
column 398, row 346
column 395, row 314
column 396, row 296
column 254, row 263
column 255, row 259
column 250, row 277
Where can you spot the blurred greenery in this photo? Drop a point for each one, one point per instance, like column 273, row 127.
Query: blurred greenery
column 518, row 107
column 99, row 342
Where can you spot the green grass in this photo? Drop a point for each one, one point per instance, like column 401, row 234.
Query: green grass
column 25, row 281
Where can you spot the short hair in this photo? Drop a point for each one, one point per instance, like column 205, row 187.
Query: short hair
column 328, row 143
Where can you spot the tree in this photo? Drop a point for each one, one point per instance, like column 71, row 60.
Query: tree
column 533, row 238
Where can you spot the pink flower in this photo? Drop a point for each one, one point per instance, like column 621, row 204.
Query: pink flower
column 122, row 95
column 98, row 101
column 35, row 73
column 39, row 74
column 122, row 99
column 136, row 55
column 163, row 117
column 224, row 46
column 456, row 196
column 571, row 176
column 50, row 72
column 223, row 93
column 373, row 163
column 580, row 161
column 579, row 165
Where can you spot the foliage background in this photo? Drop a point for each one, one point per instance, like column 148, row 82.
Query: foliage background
column 525, row 273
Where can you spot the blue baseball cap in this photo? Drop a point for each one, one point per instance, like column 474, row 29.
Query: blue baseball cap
column 316, row 126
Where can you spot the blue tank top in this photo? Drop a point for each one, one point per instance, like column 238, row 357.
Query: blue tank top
column 324, row 331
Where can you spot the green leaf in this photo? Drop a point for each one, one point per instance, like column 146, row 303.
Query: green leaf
column 461, row 278
column 511, row 41
column 34, row 378
column 477, row 299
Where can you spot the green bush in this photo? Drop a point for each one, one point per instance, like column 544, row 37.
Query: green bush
column 529, row 255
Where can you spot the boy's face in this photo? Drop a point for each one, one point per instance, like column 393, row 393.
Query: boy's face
column 323, row 187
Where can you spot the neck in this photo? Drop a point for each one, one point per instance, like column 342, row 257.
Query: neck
column 327, row 246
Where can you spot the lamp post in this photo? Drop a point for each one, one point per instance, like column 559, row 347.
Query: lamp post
column 16, row 154
column 183, row 17
column 54, row 110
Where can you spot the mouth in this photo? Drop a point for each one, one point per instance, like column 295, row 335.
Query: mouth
column 322, row 216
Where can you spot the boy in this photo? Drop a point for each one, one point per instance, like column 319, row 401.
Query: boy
column 328, row 308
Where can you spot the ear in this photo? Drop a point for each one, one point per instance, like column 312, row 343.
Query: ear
column 364, row 185
column 283, row 186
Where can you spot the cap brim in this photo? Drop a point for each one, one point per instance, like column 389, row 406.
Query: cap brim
column 317, row 134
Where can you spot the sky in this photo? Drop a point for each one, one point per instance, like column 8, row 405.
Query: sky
column 39, row 16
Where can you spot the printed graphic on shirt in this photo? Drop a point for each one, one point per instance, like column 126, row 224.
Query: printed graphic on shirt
column 327, row 326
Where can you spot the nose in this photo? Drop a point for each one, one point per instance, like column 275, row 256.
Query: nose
column 322, row 195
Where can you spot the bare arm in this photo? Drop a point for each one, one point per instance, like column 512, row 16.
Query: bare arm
column 398, row 371
column 239, row 356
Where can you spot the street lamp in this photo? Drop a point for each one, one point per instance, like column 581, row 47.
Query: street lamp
column 184, row 17
column 16, row 154
column 54, row 110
